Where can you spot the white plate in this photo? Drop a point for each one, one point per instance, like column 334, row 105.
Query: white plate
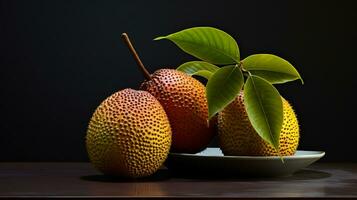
column 212, row 160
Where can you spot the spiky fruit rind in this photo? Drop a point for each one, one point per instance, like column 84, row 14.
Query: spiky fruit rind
column 238, row 137
column 184, row 100
column 129, row 135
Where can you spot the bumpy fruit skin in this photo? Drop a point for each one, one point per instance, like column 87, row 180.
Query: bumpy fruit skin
column 238, row 137
column 184, row 100
column 129, row 135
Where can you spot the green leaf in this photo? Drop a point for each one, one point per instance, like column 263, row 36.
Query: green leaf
column 203, row 73
column 206, row 43
column 222, row 88
column 264, row 108
column 270, row 67
column 199, row 68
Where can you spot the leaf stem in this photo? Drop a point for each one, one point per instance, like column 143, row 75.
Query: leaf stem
column 127, row 41
column 244, row 72
column 240, row 65
column 248, row 72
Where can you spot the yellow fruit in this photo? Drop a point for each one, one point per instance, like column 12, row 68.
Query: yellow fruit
column 238, row 137
column 184, row 100
column 129, row 135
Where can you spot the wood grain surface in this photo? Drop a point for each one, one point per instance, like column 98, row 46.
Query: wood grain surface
column 81, row 180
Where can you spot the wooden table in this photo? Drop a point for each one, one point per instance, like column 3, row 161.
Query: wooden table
column 328, row 180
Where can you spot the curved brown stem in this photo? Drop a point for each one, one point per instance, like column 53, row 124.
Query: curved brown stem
column 126, row 39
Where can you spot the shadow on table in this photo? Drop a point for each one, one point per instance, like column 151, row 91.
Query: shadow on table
column 305, row 174
column 160, row 175
column 164, row 174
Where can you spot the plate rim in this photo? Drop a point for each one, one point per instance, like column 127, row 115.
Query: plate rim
column 316, row 154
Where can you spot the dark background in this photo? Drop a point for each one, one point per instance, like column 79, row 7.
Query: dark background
column 60, row 59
